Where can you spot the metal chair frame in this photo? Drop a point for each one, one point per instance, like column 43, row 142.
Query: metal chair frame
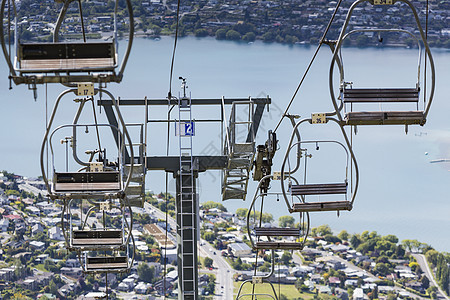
column 65, row 76
column 397, row 117
column 288, row 174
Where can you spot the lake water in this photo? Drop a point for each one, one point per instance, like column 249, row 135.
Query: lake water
column 401, row 192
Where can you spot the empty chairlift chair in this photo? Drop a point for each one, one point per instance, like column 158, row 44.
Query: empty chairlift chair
column 259, row 279
column 412, row 110
column 99, row 178
column 85, row 233
column 66, row 62
column 262, row 237
column 296, row 187
column 102, row 246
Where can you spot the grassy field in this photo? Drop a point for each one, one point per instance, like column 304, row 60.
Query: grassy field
column 288, row 290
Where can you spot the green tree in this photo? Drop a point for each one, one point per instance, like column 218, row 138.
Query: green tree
column 382, row 269
column 267, row 218
column 286, row 221
column 432, row 256
column 286, row 257
column 221, row 34
column 209, row 236
column 391, row 238
column 233, row 35
column 50, row 265
column 212, row 204
column 208, row 262
column 269, row 37
column 343, row 235
column 249, row 37
column 145, row 272
column 432, row 291
column 201, row 32
column 241, row 212
column 321, row 230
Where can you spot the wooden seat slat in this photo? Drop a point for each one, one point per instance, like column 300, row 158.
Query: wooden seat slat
column 97, row 237
column 322, row 206
column 277, row 231
column 116, row 262
column 67, row 57
column 86, row 181
column 279, row 245
column 380, row 95
column 319, row 189
column 384, row 117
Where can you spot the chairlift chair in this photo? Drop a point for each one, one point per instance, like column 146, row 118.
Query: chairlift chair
column 352, row 97
column 86, row 234
column 275, row 237
column 259, row 279
column 97, row 180
column 66, row 62
column 293, row 189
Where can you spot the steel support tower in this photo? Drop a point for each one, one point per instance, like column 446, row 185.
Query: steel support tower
column 185, row 169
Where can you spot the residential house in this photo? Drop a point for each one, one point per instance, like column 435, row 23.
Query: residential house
column 72, row 263
column 351, row 283
column 281, row 269
column 37, row 245
column 367, row 287
column 71, row 272
column 33, row 210
column 301, row 271
column 6, row 274
column 163, row 288
column 40, row 259
column 416, row 285
column 335, row 264
column 36, row 228
column 358, row 294
column 172, row 275
column 55, row 233
column 239, row 249
column 126, row 285
column 311, row 253
column 316, row 278
column 339, row 248
column 45, row 207
column 142, row 288
column 334, row 281
column 4, row 223
column 323, row 289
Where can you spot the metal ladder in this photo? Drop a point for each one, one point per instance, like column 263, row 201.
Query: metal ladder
column 240, row 153
column 135, row 192
column 186, row 213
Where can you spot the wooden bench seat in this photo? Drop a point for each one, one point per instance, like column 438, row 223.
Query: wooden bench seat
column 385, row 118
column 106, row 263
column 390, row 95
column 259, row 231
column 66, row 57
column 86, row 181
column 279, row 245
column 322, row 206
column 318, row 189
column 97, row 238
column 380, row 95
